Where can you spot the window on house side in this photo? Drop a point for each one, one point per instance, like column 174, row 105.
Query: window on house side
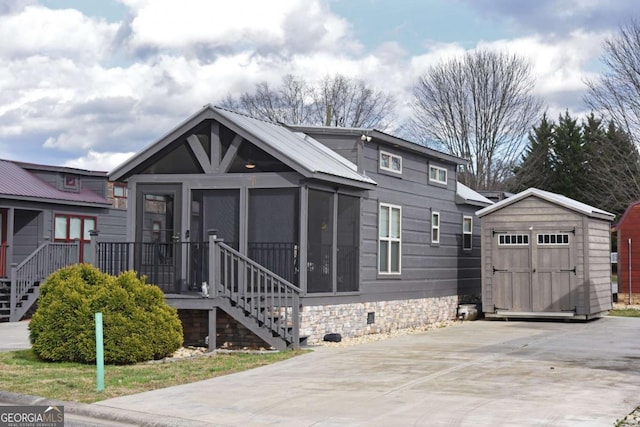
column 390, row 240
column 435, row 227
column 71, row 227
column 437, row 174
column 390, row 162
column 467, row 232
column 120, row 190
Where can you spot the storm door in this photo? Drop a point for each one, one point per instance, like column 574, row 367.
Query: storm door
column 217, row 210
column 272, row 239
column 158, row 251
column 511, row 270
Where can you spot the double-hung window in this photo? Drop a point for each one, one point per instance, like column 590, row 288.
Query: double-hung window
column 435, row 227
column 467, row 233
column 390, row 239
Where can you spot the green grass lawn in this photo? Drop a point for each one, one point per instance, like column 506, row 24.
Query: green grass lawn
column 22, row 372
column 625, row 312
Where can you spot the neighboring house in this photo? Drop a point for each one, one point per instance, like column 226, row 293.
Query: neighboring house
column 545, row 255
column 340, row 230
column 628, row 236
column 46, row 213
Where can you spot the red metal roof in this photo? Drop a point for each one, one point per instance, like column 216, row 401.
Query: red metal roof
column 16, row 182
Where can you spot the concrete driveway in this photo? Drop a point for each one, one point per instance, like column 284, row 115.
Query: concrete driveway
column 484, row 373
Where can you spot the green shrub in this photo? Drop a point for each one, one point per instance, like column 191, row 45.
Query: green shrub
column 138, row 324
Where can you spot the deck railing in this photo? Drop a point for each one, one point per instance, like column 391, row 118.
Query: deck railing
column 266, row 297
column 49, row 257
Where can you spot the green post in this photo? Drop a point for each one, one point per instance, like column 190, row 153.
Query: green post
column 99, row 353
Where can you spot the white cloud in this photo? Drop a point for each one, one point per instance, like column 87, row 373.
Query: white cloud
column 39, row 31
column 98, row 161
column 293, row 25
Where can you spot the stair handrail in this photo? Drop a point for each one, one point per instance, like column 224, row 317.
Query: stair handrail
column 38, row 266
column 283, row 293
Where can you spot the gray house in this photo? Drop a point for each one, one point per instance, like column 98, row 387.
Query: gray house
column 46, row 213
column 545, row 256
column 317, row 229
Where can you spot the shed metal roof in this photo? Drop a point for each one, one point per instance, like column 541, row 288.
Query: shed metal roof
column 18, row 183
column 557, row 199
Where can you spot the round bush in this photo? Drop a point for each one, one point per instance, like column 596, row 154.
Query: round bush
column 138, row 324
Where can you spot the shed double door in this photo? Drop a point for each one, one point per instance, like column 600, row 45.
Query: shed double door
column 534, row 271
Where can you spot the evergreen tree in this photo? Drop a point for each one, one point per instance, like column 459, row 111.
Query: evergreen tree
column 569, row 158
column 536, row 168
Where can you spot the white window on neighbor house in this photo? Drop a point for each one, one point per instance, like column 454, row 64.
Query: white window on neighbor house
column 73, row 227
column 435, row 227
column 390, row 162
column 438, row 175
column 467, row 232
column 390, row 239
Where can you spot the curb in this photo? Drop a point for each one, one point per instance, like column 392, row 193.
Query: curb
column 95, row 410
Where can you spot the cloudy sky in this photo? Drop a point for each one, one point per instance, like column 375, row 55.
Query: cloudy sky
column 86, row 83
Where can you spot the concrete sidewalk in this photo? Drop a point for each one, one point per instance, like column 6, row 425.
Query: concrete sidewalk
column 14, row 336
column 473, row 374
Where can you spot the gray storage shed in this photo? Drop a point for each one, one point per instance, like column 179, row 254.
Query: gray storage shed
column 545, row 255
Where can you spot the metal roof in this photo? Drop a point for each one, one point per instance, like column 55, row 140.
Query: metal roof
column 298, row 147
column 302, row 153
column 471, row 197
column 18, row 183
column 557, row 199
column 383, row 137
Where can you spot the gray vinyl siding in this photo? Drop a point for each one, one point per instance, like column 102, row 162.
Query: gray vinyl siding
column 427, row 270
column 28, row 233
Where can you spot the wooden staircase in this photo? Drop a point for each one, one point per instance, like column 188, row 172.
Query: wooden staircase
column 257, row 298
column 21, row 290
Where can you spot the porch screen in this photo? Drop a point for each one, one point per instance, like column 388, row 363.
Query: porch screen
column 273, row 230
column 348, row 237
column 320, row 242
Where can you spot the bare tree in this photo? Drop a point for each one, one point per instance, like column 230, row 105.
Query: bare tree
column 616, row 93
column 333, row 101
column 287, row 103
column 341, row 101
column 479, row 107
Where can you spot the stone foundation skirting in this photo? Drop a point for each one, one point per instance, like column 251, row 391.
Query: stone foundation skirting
column 351, row 320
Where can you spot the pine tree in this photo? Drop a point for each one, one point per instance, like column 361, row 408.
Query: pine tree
column 536, row 168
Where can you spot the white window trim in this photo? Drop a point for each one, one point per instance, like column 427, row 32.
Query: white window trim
column 435, row 227
column 390, row 240
column 391, row 157
column 438, row 169
column 470, row 232
column 555, row 243
column 511, row 235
